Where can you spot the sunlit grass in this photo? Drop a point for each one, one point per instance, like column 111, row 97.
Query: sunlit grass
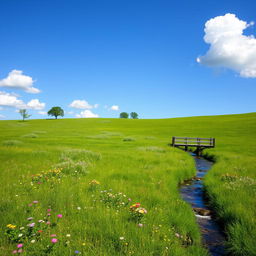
column 131, row 157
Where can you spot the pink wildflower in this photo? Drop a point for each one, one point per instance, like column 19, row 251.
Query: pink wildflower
column 35, row 202
column 15, row 251
column 20, row 251
column 48, row 210
column 19, row 245
column 54, row 240
column 53, row 235
column 59, row 216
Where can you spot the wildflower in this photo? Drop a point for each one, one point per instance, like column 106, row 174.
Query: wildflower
column 59, row 216
column 40, row 221
column 54, row 240
column 33, row 241
column 30, row 218
column 140, row 225
column 31, row 225
column 48, row 210
column 40, row 231
column 21, row 228
column 121, row 238
column 77, row 252
column 78, row 208
column 35, row 202
column 83, row 244
column 53, row 235
column 94, row 182
column 30, row 205
column 68, row 235
column 19, row 245
column 20, row 235
column 15, row 251
column 20, row 251
column 48, row 214
column 11, row 226
column 48, row 222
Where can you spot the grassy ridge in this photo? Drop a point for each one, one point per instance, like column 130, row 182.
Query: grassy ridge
column 135, row 160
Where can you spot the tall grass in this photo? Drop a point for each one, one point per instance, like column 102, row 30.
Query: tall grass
column 146, row 170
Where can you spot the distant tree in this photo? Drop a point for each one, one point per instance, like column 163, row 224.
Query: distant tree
column 134, row 115
column 24, row 114
column 56, row 111
column 124, row 115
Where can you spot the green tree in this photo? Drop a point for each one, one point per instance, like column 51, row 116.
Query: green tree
column 124, row 115
column 134, row 115
column 24, row 114
column 56, row 111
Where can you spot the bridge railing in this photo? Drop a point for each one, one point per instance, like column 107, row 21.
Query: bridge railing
column 193, row 142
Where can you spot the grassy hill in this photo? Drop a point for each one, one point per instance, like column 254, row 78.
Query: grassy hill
column 52, row 167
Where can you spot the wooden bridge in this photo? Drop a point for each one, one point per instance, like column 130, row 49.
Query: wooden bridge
column 199, row 143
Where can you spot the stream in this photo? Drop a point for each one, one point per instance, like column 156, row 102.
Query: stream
column 192, row 192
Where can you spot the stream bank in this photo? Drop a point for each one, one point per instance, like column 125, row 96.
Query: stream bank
column 192, row 192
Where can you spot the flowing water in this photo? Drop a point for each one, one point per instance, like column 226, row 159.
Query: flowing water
column 192, row 192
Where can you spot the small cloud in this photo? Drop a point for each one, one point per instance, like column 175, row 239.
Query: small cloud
column 44, row 113
column 9, row 100
column 87, row 114
column 229, row 47
column 70, row 112
column 114, row 107
column 80, row 104
column 2, row 116
column 17, row 80
column 35, row 104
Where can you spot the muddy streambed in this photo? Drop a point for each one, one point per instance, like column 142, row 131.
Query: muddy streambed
column 193, row 193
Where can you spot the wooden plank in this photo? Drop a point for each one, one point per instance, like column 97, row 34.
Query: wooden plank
column 193, row 142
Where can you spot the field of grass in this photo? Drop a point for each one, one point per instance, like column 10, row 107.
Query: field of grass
column 78, row 178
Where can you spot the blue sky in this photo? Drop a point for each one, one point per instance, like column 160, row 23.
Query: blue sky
column 137, row 55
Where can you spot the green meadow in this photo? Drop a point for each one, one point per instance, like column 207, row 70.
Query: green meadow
column 110, row 186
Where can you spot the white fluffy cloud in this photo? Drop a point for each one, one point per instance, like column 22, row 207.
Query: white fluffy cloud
column 114, row 107
column 229, row 47
column 10, row 100
column 80, row 104
column 17, row 80
column 87, row 114
column 35, row 104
